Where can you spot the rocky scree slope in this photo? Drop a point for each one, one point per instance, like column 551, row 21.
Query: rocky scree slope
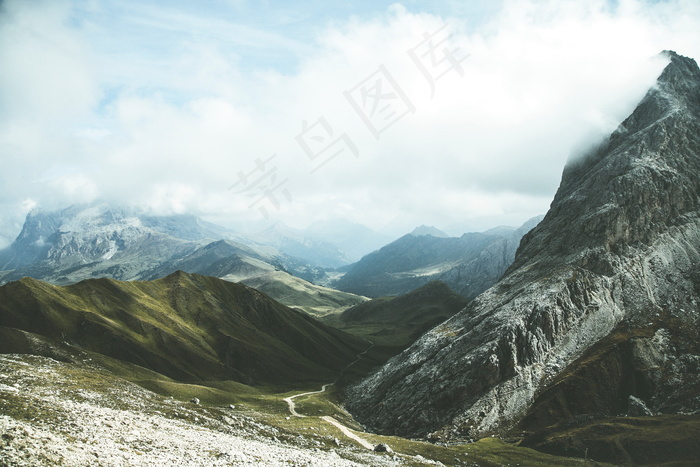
column 79, row 414
column 617, row 253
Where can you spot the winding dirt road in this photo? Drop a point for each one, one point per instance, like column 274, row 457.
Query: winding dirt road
column 345, row 430
column 290, row 400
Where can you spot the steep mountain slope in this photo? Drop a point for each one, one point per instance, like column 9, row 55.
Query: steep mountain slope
column 221, row 258
column 187, row 327
column 468, row 264
column 398, row 321
column 617, row 254
column 97, row 240
column 434, row 301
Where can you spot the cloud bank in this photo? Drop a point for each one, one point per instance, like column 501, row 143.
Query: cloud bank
column 391, row 117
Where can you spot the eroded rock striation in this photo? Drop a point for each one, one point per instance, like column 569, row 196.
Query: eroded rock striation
column 614, row 261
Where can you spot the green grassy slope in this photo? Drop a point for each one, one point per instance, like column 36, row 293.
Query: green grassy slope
column 184, row 326
column 298, row 293
column 434, row 300
column 398, row 321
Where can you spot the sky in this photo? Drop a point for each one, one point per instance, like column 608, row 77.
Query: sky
column 457, row 114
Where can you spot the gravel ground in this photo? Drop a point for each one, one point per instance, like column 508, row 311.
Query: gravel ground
column 57, row 413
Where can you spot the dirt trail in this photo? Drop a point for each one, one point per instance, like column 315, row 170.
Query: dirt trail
column 290, row 400
column 345, row 430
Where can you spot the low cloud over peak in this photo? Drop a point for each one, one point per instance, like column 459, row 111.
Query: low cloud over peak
column 284, row 112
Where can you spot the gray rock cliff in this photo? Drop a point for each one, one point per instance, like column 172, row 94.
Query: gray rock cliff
column 617, row 254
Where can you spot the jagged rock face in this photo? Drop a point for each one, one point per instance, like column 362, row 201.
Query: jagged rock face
column 618, row 249
column 470, row 278
column 86, row 241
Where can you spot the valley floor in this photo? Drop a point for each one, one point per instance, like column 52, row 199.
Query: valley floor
column 79, row 414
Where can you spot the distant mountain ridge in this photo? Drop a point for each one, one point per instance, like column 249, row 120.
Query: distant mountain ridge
column 428, row 230
column 298, row 245
column 86, row 241
column 98, row 240
column 468, row 264
column 355, row 240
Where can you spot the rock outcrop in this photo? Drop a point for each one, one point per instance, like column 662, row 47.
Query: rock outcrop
column 616, row 255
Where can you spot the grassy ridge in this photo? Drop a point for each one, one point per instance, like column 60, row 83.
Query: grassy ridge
column 187, row 327
column 396, row 322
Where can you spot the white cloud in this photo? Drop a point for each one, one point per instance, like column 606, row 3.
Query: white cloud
column 168, row 108
column 46, row 67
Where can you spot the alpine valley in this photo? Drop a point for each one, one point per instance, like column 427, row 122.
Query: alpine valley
column 128, row 338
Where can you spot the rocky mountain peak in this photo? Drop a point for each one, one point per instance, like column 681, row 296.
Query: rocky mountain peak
column 680, row 78
column 428, row 230
column 651, row 157
column 616, row 255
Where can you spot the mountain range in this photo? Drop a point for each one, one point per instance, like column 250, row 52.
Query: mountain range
column 91, row 241
column 576, row 334
column 597, row 316
column 186, row 327
column 468, row 264
column 99, row 240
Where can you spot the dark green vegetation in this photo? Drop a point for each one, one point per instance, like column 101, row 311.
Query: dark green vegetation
column 397, row 322
column 659, row 440
column 49, row 393
column 575, row 414
column 186, row 327
column 167, row 336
